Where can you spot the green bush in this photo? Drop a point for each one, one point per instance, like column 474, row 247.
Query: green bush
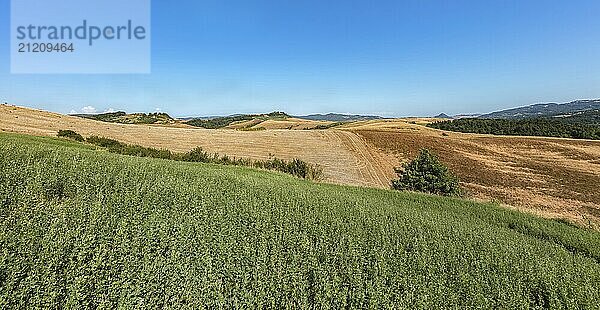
column 70, row 134
column 196, row 155
column 427, row 174
column 104, row 142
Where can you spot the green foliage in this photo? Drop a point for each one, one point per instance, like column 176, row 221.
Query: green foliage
column 105, row 142
column 115, row 146
column 197, row 155
column 220, row 122
column 427, row 174
column 124, row 118
column 526, row 127
column 70, row 134
column 133, row 232
column 590, row 117
column 110, row 117
column 296, row 167
column 328, row 126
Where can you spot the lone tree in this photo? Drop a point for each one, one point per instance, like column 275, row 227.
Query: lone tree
column 426, row 174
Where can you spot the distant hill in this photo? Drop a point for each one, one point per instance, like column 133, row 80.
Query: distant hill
column 135, row 118
column 459, row 116
column 546, row 110
column 224, row 121
column 577, row 120
column 335, row 117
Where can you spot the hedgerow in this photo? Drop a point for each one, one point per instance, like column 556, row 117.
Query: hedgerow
column 295, row 167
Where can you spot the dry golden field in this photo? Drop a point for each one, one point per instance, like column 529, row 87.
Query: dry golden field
column 344, row 156
column 547, row 176
column 288, row 123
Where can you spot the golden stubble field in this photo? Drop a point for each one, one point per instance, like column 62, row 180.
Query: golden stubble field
column 344, row 156
column 546, row 176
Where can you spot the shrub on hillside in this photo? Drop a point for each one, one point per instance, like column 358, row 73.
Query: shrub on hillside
column 427, row 174
column 197, row 155
column 104, row 142
column 70, row 134
column 295, row 167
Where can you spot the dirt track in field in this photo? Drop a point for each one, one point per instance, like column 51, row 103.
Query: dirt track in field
column 546, row 176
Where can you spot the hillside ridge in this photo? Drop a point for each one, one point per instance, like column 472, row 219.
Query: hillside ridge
column 545, row 109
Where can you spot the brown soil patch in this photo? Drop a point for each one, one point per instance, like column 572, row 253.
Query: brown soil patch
column 553, row 177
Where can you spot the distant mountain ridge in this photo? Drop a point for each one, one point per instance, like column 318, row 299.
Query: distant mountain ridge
column 546, row 110
column 336, row 117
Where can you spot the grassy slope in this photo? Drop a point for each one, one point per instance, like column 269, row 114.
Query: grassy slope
column 85, row 228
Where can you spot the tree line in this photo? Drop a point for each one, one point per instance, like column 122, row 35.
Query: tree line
column 525, row 127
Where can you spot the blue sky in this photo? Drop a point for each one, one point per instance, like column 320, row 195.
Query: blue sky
column 393, row 58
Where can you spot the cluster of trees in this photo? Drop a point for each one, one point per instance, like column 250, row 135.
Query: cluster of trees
column 590, row 117
column 220, row 122
column 525, row 127
column 294, row 167
column 328, row 126
column 427, row 174
column 124, row 118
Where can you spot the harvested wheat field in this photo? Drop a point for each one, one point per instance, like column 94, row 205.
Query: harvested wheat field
column 344, row 156
column 547, row 176
column 290, row 123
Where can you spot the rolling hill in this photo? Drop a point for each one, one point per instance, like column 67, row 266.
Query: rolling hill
column 82, row 228
column 335, row 117
column 546, row 110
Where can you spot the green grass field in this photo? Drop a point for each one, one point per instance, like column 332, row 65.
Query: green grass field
column 84, row 228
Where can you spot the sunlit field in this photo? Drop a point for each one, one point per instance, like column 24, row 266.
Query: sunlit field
column 81, row 227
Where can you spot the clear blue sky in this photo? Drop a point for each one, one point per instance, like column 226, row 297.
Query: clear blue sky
column 394, row 58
